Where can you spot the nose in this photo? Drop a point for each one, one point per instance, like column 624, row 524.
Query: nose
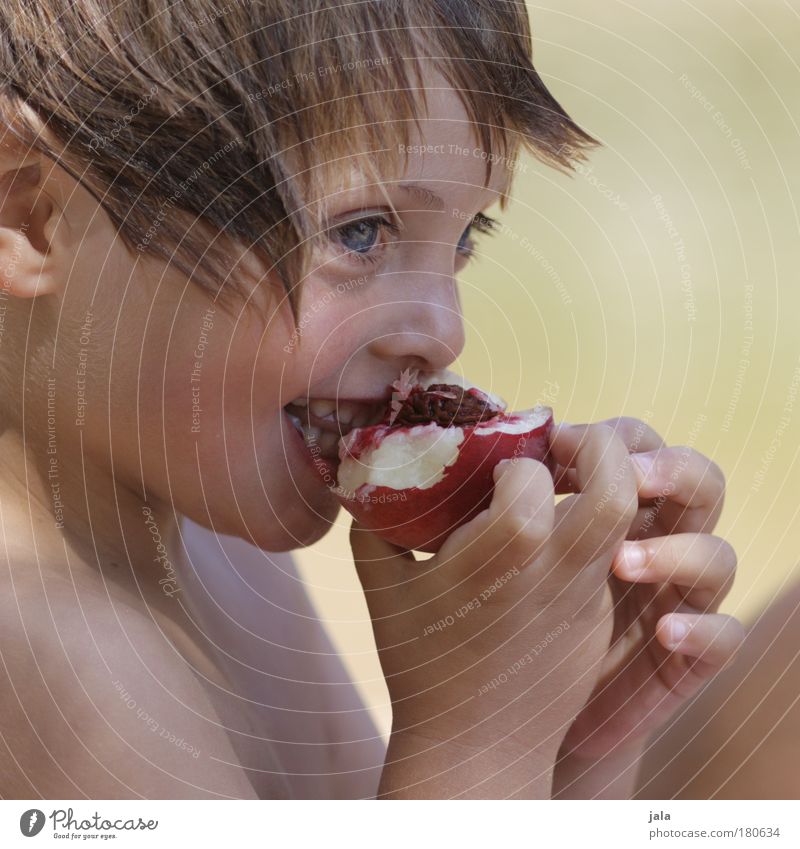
column 422, row 326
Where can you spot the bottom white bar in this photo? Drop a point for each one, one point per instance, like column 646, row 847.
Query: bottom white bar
column 400, row 825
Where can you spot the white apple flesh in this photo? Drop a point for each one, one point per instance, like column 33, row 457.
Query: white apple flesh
column 415, row 483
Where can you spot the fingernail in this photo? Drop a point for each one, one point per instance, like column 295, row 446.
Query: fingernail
column 633, row 556
column 678, row 629
column 644, row 463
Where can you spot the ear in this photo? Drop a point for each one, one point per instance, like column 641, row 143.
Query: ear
column 32, row 230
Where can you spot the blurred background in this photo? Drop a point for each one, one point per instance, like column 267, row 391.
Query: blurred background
column 660, row 281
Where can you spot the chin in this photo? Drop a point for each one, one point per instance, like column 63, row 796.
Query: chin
column 299, row 522
column 290, row 540
column 297, row 529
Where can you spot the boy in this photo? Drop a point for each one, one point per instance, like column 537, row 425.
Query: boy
column 205, row 225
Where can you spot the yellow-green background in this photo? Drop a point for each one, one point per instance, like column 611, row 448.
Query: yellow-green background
column 698, row 102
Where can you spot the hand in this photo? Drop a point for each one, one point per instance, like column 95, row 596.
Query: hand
column 682, row 575
column 491, row 648
column 685, row 493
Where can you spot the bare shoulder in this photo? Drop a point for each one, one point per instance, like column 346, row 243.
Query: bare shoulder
column 96, row 702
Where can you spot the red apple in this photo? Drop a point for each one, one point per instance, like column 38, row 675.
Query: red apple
column 427, row 467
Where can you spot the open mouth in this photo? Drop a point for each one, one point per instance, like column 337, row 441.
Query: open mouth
column 323, row 422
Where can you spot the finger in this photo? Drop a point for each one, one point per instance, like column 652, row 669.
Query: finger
column 564, row 480
column 636, row 434
column 712, row 639
column 516, row 524
column 590, row 523
column 703, row 566
column 688, row 488
column 379, row 564
column 647, row 524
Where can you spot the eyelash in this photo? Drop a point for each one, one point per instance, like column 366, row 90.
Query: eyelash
column 385, row 226
column 481, row 223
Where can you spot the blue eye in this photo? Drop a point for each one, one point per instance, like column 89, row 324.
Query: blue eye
column 360, row 236
column 365, row 238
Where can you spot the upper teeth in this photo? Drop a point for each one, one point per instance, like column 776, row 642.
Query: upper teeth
column 321, row 409
column 347, row 412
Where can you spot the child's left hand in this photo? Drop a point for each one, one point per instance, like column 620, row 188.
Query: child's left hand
column 652, row 666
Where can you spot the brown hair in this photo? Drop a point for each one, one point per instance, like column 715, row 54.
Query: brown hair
column 228, row 115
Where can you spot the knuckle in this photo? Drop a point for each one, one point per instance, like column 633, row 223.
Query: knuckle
column 607, row 440
column 516, row 541
column 523, row 535
column 597, row 440
column 632, row 430
column 538, row 477
column 529, row 464
column 620, row 425
column 525, row 478
column 672, row 463
column 603, row 433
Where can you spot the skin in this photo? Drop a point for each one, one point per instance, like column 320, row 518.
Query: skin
column 245, row 474
column 110, row 616
column 683, row 575
column 589, row 748
column 737, row 739
column 479, row 731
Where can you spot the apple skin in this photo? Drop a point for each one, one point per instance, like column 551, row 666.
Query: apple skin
column 421, row 519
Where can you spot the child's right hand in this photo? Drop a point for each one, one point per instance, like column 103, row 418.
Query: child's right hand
column 492, row 647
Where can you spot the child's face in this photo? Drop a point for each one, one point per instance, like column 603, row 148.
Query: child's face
column 199, row 394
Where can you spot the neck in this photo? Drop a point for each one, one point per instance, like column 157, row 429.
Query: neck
column 70, row 517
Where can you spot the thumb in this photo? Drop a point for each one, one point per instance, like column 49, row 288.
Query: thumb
column 379, row 564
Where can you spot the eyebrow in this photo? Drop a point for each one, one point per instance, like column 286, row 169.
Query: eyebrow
column 428, row 197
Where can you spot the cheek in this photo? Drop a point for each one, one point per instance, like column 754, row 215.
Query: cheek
column 206, row 419
column 255, row 485
column 212, row 374
column 233, row 463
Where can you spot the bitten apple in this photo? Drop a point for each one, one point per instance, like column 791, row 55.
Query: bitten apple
column 427, row 467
